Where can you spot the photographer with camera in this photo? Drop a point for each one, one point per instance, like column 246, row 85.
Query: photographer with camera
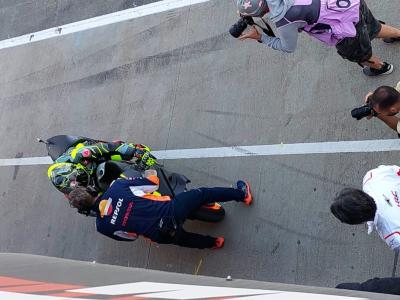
column 346, row 24
column 383, row 103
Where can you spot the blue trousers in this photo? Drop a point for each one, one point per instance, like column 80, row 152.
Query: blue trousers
column 187, row 202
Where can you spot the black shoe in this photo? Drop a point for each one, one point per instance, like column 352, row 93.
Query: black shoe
column 386, row 69
column 391, row 40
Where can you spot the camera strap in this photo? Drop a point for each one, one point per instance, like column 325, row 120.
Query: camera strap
column 268, row 30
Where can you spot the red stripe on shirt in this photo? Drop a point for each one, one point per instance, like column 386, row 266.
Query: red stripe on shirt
column 393, row 233
column 370, row 177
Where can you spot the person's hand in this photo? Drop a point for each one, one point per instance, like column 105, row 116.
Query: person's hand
column 251, row 34
column 140, row 150
column 366, row 101
column 367, row 96
column 143, row 148
column 148, row 160
column 83, row 155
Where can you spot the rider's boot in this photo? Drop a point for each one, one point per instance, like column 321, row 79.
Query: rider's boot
column 219, row 243
column 245, row 188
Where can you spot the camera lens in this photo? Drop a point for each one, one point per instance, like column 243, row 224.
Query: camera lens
column 237, row 29
column 361, row 112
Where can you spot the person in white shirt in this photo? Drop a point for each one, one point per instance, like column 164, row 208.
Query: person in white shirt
column 378, row 204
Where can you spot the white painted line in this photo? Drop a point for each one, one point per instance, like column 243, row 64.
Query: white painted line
column 243, row 151
column 120, row 16
column 156, row 290
column 170, row 291
column 26, row 161
column 284, row 149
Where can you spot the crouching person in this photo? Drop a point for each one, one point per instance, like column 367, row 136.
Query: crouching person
column 131, row 208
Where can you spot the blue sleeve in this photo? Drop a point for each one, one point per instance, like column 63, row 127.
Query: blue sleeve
column 118, row 235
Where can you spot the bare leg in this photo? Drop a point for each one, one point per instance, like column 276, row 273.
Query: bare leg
column 388, row 32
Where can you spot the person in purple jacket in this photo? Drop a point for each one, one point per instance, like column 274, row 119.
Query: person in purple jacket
column 347, row 25
column 131, row 208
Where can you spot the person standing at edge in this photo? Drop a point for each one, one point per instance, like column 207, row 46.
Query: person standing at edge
column 348, row 25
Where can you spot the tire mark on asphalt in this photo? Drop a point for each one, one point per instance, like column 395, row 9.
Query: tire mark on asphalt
column 289, row 116
column 16, row 168
column 209, row 176
column 128, row 71
column 92, row 58
column 299, row 233
column 285, row 166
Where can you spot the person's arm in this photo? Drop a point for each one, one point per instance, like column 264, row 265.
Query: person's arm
column 393, row 240
column 104, row 228
column 391, row 121
column 287, row 37
column 286, row 40
column 124, row 236
column 114, row 151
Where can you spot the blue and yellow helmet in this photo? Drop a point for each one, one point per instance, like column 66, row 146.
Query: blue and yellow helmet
column 66, row 176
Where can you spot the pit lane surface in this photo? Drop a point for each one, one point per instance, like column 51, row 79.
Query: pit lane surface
column 177, row 80
column 32, row 277
column 18, row 17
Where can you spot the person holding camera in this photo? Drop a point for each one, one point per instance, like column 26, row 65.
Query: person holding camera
column 384, row 104
column 347, row 25
column 377, row 204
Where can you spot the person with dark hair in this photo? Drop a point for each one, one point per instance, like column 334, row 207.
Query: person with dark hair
column 348, row 25
column 353, row 206
column 385, row 102
column 132, row 207
column 377, row 204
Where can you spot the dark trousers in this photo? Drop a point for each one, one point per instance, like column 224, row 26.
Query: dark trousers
column 187, row 202
column 390, row 285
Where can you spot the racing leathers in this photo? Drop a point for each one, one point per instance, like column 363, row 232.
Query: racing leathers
column 131, row 208
column 77, row 165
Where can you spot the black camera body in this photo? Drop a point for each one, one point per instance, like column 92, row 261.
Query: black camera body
column 363, row 111
column 237, row 29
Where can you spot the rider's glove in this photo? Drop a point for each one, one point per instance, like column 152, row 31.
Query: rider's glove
column 140, row 150
column 148, row 160
column 81, row 155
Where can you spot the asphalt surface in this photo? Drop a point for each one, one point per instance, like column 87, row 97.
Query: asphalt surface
column 178, row 80
column 18, row 17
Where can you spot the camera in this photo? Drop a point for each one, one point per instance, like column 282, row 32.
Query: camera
column 237, row 29
column 363, row 111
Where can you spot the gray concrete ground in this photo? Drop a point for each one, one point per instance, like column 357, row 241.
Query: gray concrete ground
column 88, row 274
column 18, row 17
column 178, row 80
